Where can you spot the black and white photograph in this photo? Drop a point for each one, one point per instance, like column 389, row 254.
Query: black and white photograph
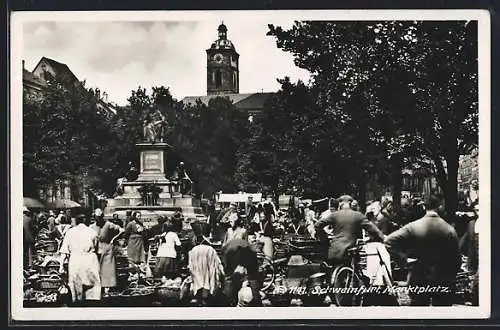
column 250, row 165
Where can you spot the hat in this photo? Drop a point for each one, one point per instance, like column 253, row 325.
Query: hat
column 232, row 204
column 25, row 209
column 345, row 198
column 297, row 260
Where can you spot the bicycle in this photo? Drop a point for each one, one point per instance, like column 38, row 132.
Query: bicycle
column 350, row 284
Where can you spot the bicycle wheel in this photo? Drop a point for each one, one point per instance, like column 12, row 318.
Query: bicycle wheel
column 267, row 271
column 345, row 283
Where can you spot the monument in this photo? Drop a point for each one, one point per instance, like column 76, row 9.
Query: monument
column 148, row 189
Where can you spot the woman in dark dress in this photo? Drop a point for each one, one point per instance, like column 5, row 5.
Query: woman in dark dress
column 134, row 232
column 267, row 231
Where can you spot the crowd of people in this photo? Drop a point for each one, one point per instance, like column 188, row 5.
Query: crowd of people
column 228, row 274
column 422, row 234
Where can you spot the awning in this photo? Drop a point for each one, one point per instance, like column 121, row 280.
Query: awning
column 33, row 203
column 239, row 198
column 64, row 204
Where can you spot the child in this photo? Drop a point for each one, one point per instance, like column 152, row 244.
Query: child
column 167, row 254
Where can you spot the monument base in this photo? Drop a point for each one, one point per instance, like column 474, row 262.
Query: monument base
column 152, row 172
column 152, row 159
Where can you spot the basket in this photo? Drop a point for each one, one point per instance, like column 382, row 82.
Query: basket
column 33, row 302
column 48, row 246
column 137, row 296
column 49, row 282
column 51, row 268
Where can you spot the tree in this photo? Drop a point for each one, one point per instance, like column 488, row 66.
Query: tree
column 63, row 137
column 205, row 137
column 435, row 107
column 293, row 143
column 208, row 138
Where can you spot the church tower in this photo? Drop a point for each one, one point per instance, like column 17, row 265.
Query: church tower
column 222, row 66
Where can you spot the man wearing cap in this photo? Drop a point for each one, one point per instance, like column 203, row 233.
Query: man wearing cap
column 347, row 226
column 333, row 205
column 128, row 216
column 434, row 243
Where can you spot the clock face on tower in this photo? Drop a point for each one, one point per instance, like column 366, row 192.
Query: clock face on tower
column 218, row 58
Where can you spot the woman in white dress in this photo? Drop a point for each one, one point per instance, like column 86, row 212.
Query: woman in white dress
column 80, row 244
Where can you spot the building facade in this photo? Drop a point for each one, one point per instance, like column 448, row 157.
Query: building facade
column 468, row 176
column 34, row 85
column 223, row 78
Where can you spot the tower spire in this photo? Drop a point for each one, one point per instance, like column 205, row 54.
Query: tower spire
column 222, row 31
column 222, row 65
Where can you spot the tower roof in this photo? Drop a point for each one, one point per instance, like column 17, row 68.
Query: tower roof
column 222, row 28
column 222, row 42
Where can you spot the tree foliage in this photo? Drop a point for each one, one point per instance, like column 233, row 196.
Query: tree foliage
column 408, row 87
column 205, row 137
column 63, row 134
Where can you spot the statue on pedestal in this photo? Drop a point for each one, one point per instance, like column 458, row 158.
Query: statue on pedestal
column 154, row 127
column 186, row 184
column 132, row 172
column 119, row 186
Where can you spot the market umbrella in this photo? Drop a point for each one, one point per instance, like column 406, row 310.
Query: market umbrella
column 32, row 203
column 64, row 204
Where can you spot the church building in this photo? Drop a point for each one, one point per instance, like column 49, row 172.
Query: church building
column 223, row 77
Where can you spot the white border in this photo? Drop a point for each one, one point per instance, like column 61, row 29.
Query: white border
column 69, row 314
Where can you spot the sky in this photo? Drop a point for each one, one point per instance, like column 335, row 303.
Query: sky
column 119, row 56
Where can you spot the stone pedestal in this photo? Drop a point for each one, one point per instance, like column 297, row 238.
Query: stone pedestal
column 152, row 159
column 152, row 171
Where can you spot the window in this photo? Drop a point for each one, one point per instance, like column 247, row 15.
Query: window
column 218, row 79
column 235, row 81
